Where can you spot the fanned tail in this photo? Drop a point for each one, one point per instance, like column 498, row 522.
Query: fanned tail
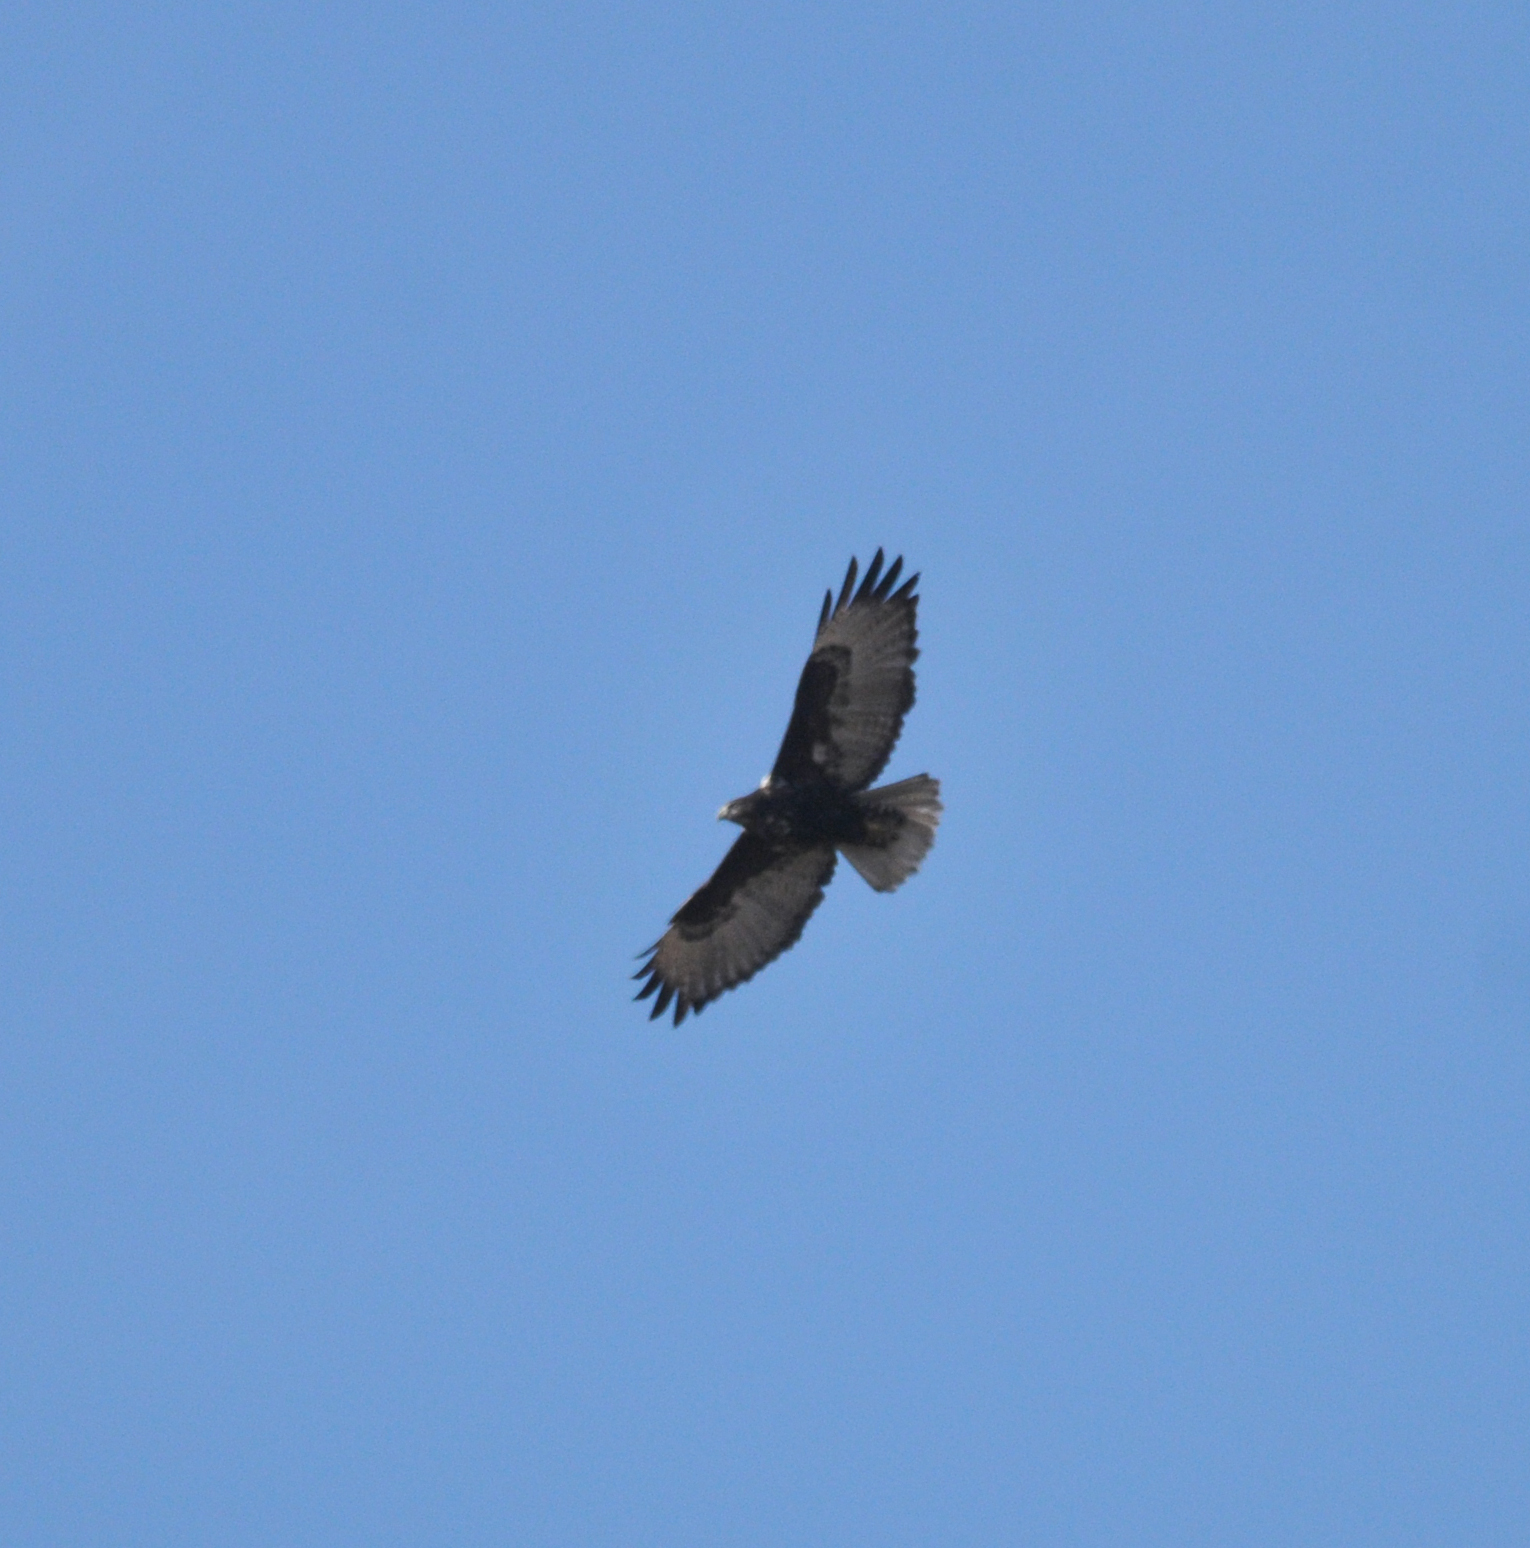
column 902, row 819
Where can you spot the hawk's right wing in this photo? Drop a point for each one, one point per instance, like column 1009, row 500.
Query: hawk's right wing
column 752, row 909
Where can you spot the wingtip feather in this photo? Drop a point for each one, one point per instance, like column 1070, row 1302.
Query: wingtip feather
column 849, row 586
column 868, row 586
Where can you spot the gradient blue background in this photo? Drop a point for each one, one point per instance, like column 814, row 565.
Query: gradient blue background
column 427, row 435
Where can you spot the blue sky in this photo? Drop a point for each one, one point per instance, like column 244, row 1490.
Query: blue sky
column 427, row 436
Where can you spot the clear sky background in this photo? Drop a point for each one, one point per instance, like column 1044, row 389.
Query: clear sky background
column 427, row 435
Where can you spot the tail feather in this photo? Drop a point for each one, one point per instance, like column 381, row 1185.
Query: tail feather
column 902, row 819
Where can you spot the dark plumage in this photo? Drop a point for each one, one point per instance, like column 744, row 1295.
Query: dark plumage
column 814, row 805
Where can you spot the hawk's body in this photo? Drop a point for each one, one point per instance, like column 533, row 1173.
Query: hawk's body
column 856, row 688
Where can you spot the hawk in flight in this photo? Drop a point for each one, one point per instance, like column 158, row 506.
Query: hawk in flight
column 814, row 805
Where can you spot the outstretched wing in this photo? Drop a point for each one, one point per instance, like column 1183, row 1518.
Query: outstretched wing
column 752, row 909
column 857, row 685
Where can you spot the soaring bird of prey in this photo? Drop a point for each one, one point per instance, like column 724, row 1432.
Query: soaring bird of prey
column 815, row 803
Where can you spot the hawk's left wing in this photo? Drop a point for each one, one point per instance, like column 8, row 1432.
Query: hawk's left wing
column 858, row 683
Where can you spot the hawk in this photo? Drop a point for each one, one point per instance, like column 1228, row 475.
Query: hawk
column 814, row 805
